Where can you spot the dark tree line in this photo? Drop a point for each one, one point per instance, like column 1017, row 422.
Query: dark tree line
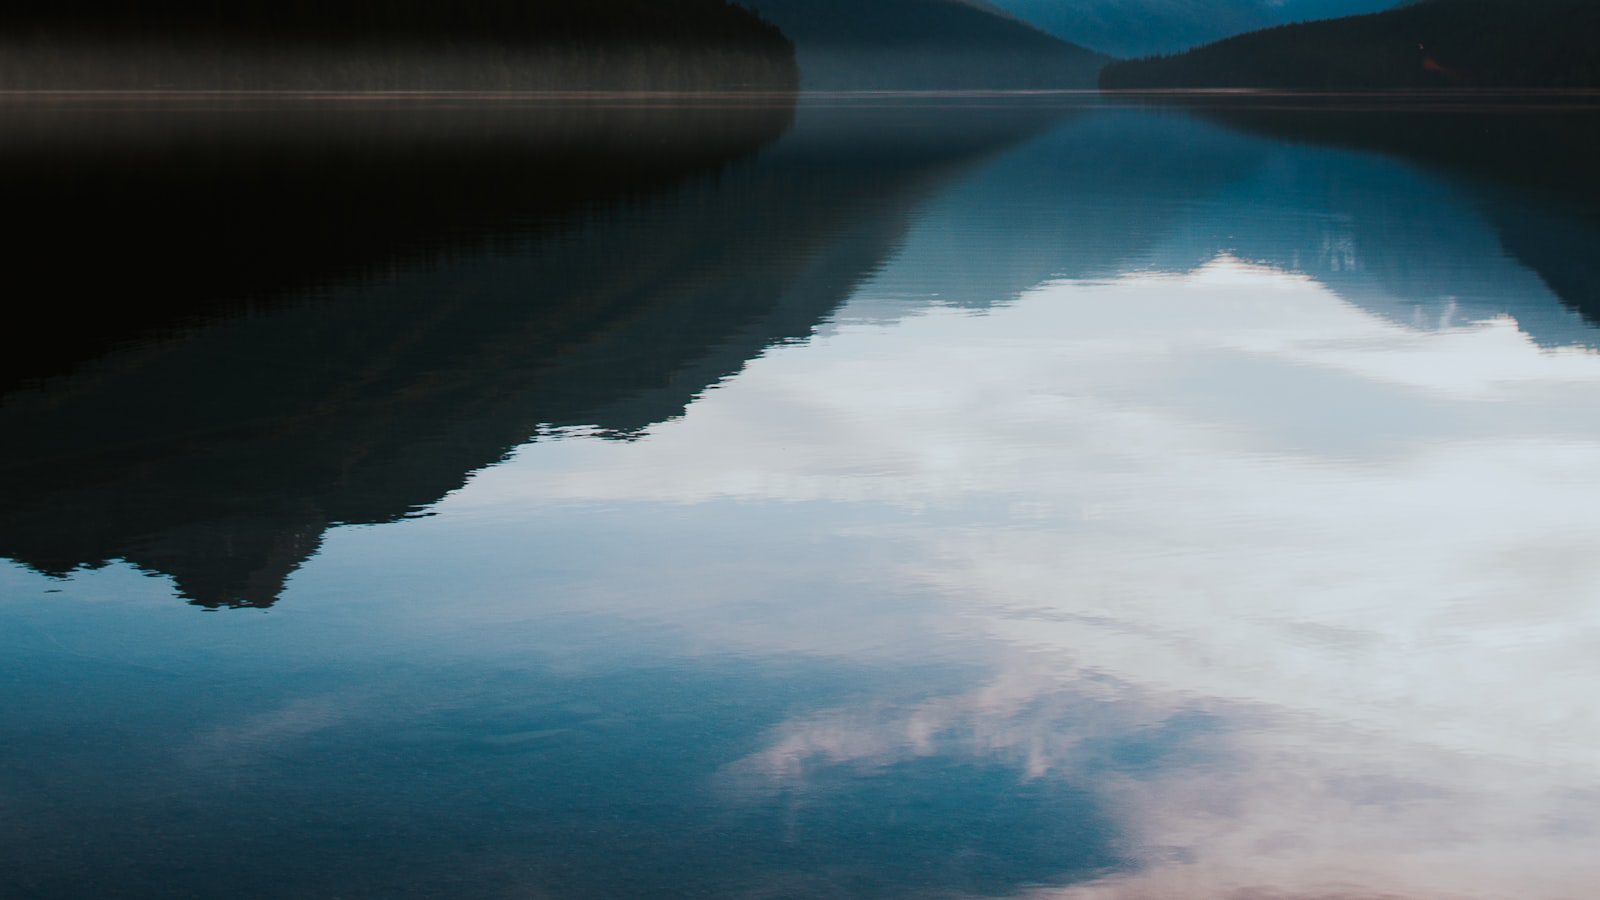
column 533, row 44
column 1430, row 44
column 509, row 22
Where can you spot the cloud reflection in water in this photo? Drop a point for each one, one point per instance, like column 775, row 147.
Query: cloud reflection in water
column 1360, row 553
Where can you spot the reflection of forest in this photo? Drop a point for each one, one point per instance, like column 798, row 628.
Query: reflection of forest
column 1162, row 190
column 177, row 211
column 1526, row 161
column 396, row 302
column 360, row 383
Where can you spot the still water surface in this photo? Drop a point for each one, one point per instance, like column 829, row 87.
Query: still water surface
column 1033, row 497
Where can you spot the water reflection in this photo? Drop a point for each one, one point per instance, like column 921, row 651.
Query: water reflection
column 219, row 452
column 1424, row 247
column 1118, row 503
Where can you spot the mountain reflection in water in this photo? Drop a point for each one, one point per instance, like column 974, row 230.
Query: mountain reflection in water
column 499, row 283
column 973, row 496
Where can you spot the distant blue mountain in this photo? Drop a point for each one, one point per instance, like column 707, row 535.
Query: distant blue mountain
column 924, row 44
column 1133, row 28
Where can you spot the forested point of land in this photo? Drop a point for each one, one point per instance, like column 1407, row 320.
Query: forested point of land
column 1430, row 44
column 391, row 44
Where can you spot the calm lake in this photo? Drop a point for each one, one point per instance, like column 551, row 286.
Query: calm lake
column 1041, row 496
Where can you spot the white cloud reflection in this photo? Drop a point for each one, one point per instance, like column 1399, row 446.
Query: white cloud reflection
column 1368, row 547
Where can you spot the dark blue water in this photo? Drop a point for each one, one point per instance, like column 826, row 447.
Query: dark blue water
column 969, row 497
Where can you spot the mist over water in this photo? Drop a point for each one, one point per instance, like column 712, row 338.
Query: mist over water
column 975, row 495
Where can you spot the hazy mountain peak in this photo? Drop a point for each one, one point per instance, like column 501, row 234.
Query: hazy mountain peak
column 924, row 44
column 1132, row 28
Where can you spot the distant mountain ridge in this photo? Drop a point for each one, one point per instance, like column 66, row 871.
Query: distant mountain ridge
column 1135, row 28
column 924, row 44
column 1429, row 44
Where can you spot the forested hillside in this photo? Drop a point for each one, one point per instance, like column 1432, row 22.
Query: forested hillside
column 390, row 44
column 1431, row 44
column 924, row 44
